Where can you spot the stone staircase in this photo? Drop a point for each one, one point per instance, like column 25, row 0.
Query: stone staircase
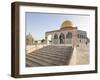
column 49, row 56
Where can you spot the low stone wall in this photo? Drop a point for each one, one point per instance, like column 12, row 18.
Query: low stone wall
column 73, row 59
column 31, row 48
column 62, row 45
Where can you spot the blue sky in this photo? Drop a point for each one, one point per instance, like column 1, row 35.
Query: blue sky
column 39, row 23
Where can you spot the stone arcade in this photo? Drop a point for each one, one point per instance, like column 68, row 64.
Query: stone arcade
column 68, row 34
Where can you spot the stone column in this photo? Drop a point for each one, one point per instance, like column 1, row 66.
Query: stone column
column 58, row 39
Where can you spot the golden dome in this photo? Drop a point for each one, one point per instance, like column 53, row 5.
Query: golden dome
column 66, row 24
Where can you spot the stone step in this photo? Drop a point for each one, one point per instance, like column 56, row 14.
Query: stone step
column 49, row 56
column 56, row 56
column 55, row 51
column 47, row 61
column 52, row 49
column 30, row 63
column 60, row 53
column 38, row 61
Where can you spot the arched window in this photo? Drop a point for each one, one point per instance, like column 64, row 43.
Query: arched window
column 69, row 35
column 55, row 36
column 62, row 36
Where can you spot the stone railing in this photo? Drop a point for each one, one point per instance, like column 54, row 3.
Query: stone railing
column 31, row 48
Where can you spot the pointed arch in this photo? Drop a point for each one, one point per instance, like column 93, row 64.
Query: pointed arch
column 62, row 37
column 69, row 35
